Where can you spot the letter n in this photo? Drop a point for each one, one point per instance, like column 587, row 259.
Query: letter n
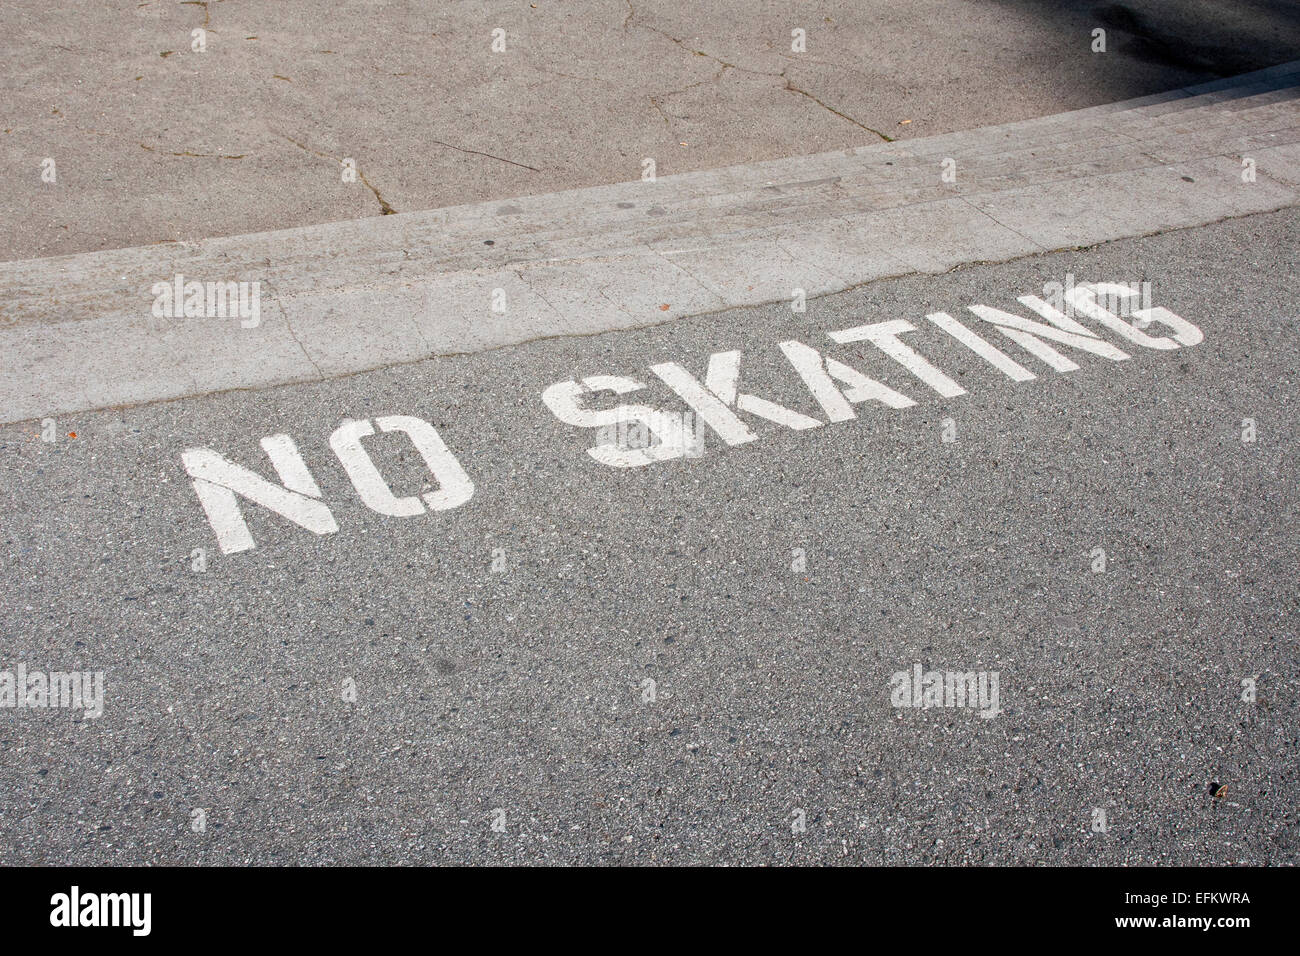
column 217, row 482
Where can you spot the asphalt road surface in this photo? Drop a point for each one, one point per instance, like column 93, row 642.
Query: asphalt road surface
column 693, row 660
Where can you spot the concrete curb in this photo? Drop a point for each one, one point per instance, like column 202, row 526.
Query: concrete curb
column 80, row 332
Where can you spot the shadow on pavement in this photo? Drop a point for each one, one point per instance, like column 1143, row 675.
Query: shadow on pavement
column 1183, row 42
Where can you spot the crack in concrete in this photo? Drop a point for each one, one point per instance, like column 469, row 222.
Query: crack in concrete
column 413, row 321
column 1002, row 224
column 207, row 14
column 296, row 341
column 500, row 159
column 1275, row 177
column 567, row 76
column 187, row 152
column 655, row 103
column 794, row 89
column 692, row 276
column 689, row 49
column 654, row 97
column 726, row 65
column 808, row 262
column 535, row 291
column 384, row 208
column 601, row 293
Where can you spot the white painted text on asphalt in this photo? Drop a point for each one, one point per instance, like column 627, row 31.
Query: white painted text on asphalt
column 718, row 402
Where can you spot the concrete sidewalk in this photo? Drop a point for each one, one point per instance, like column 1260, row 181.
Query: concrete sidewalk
column 84, row 332
column 154, row 141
